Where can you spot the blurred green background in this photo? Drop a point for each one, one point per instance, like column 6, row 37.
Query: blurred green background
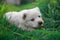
column 50, row 10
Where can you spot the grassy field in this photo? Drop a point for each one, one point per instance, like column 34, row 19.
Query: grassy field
column 50, row 10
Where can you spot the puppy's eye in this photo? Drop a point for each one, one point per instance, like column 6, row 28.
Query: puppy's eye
column 32, row 19
column 38, row 16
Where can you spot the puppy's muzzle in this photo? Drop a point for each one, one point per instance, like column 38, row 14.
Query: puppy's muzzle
column 40, row 25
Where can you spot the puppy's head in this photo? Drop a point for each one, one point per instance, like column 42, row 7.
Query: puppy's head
column 33, row 18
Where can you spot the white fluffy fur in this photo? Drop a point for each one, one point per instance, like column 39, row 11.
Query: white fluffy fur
column 17, row 18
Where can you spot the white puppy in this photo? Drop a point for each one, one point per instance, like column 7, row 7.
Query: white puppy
column 26, row 19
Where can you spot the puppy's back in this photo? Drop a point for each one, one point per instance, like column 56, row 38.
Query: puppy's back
column 8, row 15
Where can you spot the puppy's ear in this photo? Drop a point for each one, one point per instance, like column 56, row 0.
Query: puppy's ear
column 37, row 8
column 24, row 16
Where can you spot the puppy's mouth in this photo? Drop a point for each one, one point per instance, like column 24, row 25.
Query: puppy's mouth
column 39, row 26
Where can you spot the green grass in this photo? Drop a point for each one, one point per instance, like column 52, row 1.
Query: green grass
column 50, row 12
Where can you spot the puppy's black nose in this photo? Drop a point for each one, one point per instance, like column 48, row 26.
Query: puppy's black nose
column 39, row 23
